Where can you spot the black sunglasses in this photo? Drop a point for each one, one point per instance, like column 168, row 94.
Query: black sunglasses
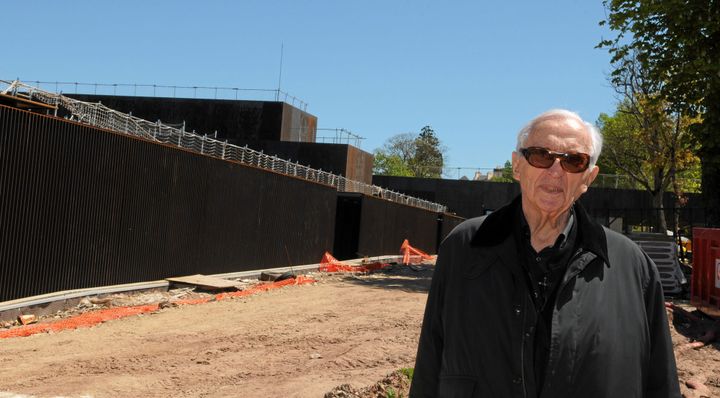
column 544, row 158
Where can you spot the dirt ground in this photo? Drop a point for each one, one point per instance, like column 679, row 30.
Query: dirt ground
column 336, row 336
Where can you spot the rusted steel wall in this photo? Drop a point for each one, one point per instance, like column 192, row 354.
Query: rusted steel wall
column 369, row 226
column 83, row 207
column 384, row 225
column 359, row 165
column 476, row 198
column 297, row 125
column 341, row 159
column 233, row 120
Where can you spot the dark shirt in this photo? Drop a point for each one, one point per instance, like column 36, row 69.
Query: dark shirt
column 545, row 271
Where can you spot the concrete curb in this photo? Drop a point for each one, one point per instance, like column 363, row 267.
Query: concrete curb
column 51, row 302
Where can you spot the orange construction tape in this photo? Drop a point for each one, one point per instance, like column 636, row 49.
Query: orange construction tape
column 328, row 263
column 93, row 318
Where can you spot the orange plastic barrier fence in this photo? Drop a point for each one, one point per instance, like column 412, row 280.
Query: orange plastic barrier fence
column 90, row 319
column 409, row 251
column 328, row 263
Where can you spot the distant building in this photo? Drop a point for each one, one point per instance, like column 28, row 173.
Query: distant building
column 480, row 176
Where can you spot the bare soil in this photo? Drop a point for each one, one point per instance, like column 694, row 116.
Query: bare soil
column 345, row 336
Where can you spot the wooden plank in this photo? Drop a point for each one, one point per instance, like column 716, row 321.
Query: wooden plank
column 204, row 281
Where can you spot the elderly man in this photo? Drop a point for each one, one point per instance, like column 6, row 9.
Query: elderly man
column 537, row 299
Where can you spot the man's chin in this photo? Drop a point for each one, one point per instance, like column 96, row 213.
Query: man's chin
column 550, row 208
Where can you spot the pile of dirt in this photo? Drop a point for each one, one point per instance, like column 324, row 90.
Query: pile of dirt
column 697, row 350
column 300, row 340
column 394, row 385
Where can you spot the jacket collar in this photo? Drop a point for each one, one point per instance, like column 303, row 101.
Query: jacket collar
column 498, row 226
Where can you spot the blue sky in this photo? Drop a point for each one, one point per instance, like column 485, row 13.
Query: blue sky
column 476, row 71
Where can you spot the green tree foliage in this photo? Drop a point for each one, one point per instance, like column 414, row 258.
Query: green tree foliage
column 650, row 145
column 387, row 164
column 506, row 175
column 428, row 161
column 677, row 42
column 407, row 155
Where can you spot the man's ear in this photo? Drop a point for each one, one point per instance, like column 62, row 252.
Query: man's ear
column 516, row 166
column 590, row 178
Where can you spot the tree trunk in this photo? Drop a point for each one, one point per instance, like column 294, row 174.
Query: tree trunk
column 659, row 208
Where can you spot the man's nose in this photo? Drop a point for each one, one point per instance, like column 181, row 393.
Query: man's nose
column 556, row 168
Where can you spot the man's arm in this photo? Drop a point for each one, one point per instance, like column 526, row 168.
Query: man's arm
column 430, row 347
column 662, row 378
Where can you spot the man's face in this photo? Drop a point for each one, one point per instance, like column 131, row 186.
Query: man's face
column 551, row 191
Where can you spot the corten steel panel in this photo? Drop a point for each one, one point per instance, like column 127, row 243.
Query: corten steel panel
column 359, row 165
column 328, row 157
column 474, row 198
column 384, row 225
column 705, row 281
column 341, row 159
column 463, row 198
column 232, row 119
column 297, row 125
column 82, row 207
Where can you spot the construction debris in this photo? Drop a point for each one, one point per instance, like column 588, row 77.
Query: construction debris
column 27, row 319
column 205, row 282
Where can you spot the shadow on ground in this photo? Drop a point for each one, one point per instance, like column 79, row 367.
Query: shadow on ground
column 413, row 278
column 697, row 326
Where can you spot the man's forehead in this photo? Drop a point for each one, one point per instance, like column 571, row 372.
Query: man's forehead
column 559, row 122
column 560, row 127
column 562, row 132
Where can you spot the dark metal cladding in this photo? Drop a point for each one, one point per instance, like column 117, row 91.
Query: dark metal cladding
column 346, row 160
column 83, row 207
column 370, row 226
column 476, row 198
column 231, row 119
column 384, row 225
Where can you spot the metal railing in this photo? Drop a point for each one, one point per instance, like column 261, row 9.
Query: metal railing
column 340, row 136
column 161, row 90
column 96, row 114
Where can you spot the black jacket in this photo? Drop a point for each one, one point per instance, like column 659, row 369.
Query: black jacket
column 609, row 336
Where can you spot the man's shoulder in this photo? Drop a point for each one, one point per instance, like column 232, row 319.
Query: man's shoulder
column 465, row 231
column 617, row 242
column 625, row 255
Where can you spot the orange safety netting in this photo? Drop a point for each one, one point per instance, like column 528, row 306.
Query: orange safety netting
column 328, row 263
column 410, row 253
column 90, row 319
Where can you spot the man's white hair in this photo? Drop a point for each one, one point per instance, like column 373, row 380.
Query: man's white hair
column 595, row 136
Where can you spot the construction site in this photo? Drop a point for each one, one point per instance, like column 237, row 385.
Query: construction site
column 156, row 246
